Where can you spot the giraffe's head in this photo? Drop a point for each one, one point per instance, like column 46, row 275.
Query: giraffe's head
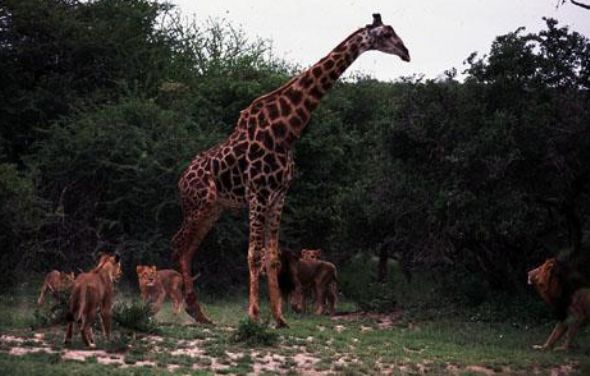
column 383, row 38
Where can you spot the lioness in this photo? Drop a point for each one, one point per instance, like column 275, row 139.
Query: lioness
column 155, row 285
column 93, row 291
column 311, row 254
column 55, row 281
column 571, row 303
column 298, row 278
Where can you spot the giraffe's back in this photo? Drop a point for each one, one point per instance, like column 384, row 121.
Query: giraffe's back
column 237, row 167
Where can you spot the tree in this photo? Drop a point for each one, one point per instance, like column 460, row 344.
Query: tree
column 104, row 103
column 577, row 3
column 501, row 158
column 58, row 55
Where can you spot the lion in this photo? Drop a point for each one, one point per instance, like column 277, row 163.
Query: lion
column 311, row 254
column 298, row 279
column 93, row 292
column 155, row 285
column 55, row 282
column 559, row 287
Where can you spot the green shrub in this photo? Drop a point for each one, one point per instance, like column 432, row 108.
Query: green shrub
column 21, row 215
column 254, row 334
column 358, row 282
column 136, row 316
column 374, row 297
column 54, row 314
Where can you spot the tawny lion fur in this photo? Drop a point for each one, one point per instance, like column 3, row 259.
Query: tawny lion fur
column 93, row 292
column 298, row 279
column 155, row 285
column 55, row 282
column 311, row 254
column 571, row 304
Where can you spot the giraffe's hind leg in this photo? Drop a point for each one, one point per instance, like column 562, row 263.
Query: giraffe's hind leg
column 200, row 214
column 272, row 258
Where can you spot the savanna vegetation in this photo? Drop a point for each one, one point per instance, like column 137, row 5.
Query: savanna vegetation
column 466, row 181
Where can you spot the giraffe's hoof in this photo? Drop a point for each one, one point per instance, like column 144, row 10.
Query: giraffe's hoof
column 198, row 316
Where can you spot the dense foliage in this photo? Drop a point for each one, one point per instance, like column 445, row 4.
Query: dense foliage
column 103, row 103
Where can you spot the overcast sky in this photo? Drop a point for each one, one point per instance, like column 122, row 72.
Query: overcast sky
column 440, row 34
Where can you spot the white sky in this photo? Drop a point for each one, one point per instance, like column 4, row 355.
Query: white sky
column 439, row 34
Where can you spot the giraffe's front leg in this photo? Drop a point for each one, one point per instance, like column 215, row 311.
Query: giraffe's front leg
column 273, row 261
column 255, row 251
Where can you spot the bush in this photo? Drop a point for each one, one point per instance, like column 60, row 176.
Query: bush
column 374, row 297
column 255, row 334
column 54, row 314
column 358, row 282
column 21, row 215
column 136, row 316
column 465, row 287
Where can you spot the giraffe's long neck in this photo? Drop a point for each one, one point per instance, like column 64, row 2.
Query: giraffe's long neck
column 289, row 107
column 308, row 88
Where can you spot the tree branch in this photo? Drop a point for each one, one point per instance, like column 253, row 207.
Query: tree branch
column 577, row 3
column 585, row 6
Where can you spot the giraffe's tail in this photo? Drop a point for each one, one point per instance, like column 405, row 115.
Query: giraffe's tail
column 175, row 247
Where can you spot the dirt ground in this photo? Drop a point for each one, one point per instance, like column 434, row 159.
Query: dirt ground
column 165, row 354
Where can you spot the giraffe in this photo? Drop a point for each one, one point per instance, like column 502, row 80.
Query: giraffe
column 253, row 167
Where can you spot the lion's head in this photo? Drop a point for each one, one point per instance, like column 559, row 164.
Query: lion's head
column 546, row 280
column 66, row 280
column 111, row 263
column 311, row 254
column 147, row 275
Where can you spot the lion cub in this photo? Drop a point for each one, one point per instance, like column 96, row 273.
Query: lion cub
column 55, row 281
column 320, row 278
column 311, row 260
column 571, row 304
column 155, row 285
column 303, row 276
column 93, row 292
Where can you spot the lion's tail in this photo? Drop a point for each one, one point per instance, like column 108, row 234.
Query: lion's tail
column 193, row 279
column 334, row 274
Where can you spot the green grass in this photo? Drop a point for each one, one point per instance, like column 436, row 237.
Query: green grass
column 422, row 336
column 49, row 365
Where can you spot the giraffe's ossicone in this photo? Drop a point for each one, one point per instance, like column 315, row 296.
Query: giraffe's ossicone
column 254, row 167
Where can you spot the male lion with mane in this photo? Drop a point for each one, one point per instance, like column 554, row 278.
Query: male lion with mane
column 93, row 292
column 557, row 285
column 55, row 282
column 155, row 285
